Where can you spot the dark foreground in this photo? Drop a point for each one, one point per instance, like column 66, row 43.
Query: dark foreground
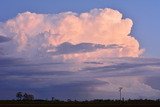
column 94, row 103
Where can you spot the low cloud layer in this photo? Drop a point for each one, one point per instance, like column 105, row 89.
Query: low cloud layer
column 91, row 80
column 35, row 35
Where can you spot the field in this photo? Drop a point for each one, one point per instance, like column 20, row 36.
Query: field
column 94, row 103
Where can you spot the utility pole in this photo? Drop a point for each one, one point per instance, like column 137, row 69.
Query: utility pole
column 120, row 92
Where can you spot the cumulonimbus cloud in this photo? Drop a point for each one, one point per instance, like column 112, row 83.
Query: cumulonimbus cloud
column 34, row 34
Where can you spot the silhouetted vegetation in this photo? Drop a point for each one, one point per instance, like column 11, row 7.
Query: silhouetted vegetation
column 82, row 103
column 19, row 95
column 25, row 99
column 24, row 96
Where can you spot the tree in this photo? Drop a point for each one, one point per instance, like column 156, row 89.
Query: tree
column 19, row 95
column 28, row 96
column 53, row 98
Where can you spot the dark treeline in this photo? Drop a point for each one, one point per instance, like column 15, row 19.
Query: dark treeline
column 23, row 98
column 96, row 101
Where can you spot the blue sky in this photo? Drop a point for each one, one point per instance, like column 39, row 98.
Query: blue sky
column 40, row 52
column 145, row 15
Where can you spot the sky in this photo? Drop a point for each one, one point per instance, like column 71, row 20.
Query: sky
column 71, row 49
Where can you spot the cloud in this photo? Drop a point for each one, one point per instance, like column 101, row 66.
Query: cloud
column 68, row 48
column 87, row 55
column 8, row 61
column 138, row 78
column 35, row 34
column 133, row 87
column 151, row 81
column 122, row 66
column 4, row 39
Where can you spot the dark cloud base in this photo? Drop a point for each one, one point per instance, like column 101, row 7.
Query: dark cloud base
column 59, row 80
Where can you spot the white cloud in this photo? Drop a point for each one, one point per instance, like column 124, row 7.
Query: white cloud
column 33, row 35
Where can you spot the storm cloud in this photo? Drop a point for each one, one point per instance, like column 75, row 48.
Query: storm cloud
column 77, row 56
